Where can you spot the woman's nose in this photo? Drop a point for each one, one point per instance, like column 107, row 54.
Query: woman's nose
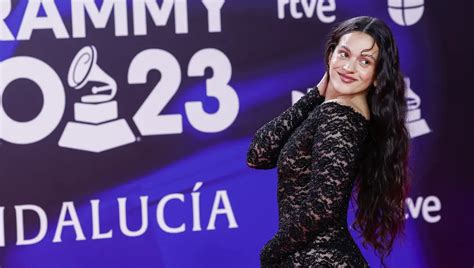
column 349, row 66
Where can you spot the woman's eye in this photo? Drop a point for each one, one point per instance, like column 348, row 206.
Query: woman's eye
column 365, row 62
column 342, row 54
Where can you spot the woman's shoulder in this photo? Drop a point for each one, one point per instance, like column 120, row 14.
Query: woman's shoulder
column 346, row 109
column 336, row 116
column 352, row 107
column 338, row 122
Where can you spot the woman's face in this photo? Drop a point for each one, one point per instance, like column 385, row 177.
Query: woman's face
column 352, row 63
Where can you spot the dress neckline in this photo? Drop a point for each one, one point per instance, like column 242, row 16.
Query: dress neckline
column 350, row 108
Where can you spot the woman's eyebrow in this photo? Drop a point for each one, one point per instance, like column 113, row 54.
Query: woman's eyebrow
column 343, row 46
column 369, row 55
column 365, row 55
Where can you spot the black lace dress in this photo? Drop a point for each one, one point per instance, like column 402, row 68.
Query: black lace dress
column 315, row 146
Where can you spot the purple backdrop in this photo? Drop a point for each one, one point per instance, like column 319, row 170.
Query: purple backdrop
column 124, row 127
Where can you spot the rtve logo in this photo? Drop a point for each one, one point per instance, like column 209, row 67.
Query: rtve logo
column 307, row 8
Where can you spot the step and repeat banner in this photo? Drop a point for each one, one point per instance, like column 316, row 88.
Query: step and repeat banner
column 124, row 127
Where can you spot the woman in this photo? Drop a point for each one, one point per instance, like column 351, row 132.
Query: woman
column 346, row 133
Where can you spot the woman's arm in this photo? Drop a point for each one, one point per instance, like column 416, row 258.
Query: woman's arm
column 268, row 140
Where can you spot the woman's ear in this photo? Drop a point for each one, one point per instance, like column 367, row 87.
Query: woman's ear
column 375, row 83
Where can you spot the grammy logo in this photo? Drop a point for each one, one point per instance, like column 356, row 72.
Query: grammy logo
column 97, row 127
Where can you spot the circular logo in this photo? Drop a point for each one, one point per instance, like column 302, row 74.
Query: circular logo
column 405, row 12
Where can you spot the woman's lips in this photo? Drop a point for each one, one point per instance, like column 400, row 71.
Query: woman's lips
column 346, row 79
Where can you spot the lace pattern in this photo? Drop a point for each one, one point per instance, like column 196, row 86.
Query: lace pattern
column 315, row 147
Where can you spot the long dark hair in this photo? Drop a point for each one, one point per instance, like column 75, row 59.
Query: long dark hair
column 382, row 183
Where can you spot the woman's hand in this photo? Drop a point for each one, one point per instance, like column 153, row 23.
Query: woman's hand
column 323, row 84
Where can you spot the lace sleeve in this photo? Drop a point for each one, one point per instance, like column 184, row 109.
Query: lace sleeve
column 268, row 140
column 326, row 196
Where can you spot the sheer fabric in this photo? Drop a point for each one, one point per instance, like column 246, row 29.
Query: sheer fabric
column 315, row 146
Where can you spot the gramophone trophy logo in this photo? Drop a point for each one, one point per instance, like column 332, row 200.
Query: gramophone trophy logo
column 96, row 127
column 416, row 125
